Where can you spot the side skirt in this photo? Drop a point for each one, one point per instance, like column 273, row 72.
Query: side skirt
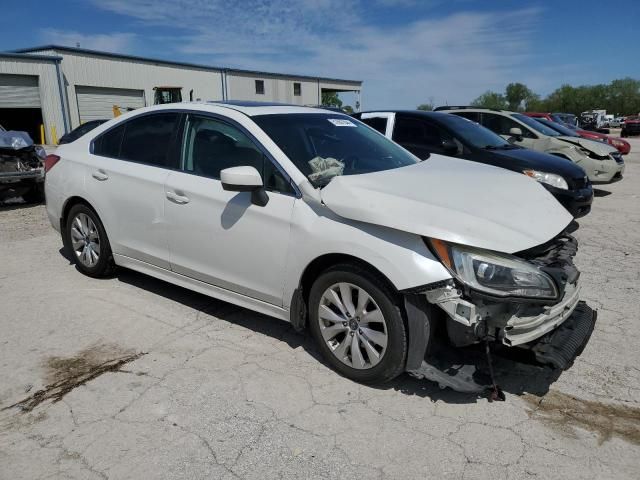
column 202, row 287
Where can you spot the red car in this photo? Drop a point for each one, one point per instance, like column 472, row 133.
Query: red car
column 631, row 126
column 621, row 145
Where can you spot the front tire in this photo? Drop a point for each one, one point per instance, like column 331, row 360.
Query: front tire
column 357, row 323
column 87, row 244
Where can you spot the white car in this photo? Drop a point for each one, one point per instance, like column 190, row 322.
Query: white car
column 310, row 216
column 601, row 162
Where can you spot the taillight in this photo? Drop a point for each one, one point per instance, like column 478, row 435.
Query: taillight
column 50, row 161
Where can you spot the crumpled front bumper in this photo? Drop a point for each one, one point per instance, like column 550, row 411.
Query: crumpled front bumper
column 523, row 329
column 560, row 347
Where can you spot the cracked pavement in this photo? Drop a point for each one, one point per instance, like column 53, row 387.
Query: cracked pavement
column 222, row 392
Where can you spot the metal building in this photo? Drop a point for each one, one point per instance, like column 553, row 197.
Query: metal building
column 61, row 87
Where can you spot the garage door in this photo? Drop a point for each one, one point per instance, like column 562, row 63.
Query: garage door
column 19, row 91
column 95, row 103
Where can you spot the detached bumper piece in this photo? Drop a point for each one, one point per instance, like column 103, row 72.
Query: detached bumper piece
column 560, row 347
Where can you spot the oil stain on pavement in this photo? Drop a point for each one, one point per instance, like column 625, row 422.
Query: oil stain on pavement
column 63, row 374
column 565, row 412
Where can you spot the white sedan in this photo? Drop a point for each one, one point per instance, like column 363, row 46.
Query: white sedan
column 313, row 217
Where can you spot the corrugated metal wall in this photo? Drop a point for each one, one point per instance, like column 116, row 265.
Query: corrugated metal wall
column 96, row 103
column 85, row 69
column 81, row 69
column 19, row 91
column 241, row 86
column 48, row 88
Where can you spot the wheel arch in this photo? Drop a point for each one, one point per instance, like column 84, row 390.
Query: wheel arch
column 299, row 301
column 69, row 204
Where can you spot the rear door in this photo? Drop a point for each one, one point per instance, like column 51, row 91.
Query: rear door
column 126, row 174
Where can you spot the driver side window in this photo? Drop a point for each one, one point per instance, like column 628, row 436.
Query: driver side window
column 210, row 145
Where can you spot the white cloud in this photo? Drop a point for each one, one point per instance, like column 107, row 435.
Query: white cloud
column 112, row 42
column 452, row 58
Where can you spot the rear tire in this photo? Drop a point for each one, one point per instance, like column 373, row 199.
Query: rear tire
column 87, row 244
column 357, row 323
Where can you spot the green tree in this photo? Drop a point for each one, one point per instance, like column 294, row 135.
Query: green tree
column 331, row 99
column 425, row 106
column 518, row 95
column 490, row 99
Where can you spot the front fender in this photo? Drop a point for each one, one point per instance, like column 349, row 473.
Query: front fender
column 403, row 258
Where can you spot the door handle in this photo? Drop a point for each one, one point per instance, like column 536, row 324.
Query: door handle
column 179, row 199
column 100, row 175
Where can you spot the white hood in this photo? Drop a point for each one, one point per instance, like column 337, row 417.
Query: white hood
column 599, row 148
column 454, row 200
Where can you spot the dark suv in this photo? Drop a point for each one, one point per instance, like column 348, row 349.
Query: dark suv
column 424, row 133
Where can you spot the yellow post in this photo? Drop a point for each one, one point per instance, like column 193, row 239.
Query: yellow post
column 42, row 139
column 54, row 135
column 116, row 111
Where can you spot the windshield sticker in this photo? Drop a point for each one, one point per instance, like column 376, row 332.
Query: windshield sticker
column 339, row 122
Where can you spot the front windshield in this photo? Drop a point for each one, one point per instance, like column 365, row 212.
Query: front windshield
column 536, row 125
column 473, row 133
column 323, row 146
column 561, row 129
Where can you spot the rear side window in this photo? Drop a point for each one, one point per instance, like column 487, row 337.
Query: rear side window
column 147, row 139
column 502, row 125
column 108, row 144
column 416, row 131
column 473, row 116
column 377, row 123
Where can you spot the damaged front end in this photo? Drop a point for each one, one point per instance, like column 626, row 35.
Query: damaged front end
column 21, row 164
column 530, row 300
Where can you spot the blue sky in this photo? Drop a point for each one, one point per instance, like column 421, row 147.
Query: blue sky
column 406, row 51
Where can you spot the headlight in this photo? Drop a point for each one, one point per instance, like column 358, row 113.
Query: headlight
column 617, row 143
column 494, row 273
column 40, row 152
column 548, row 178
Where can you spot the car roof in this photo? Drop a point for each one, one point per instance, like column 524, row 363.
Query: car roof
column 417, row 113
column 265, row 108
column 249, row 109
column 474, row 109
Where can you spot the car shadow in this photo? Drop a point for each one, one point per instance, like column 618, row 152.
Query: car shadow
column 598, row 192
column 514, row 373
column 16, row 203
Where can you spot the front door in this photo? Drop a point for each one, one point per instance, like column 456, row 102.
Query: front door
column 220, row 237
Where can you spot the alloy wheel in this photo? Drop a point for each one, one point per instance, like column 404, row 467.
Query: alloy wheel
column 352, row 325
column 85, row 240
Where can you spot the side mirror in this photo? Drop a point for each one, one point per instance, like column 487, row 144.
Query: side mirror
column 245, row 179
column 449, row 147
column 516, row 132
